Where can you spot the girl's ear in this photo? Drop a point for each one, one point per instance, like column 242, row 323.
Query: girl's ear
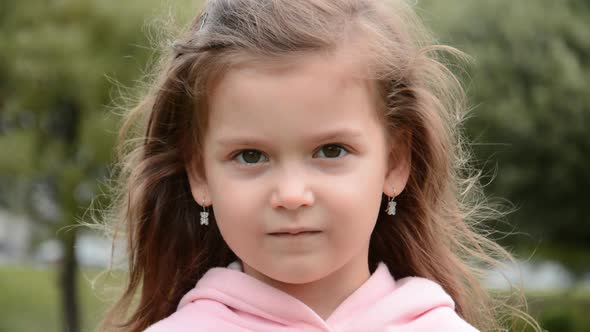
column 399, row 164
column 198, row 184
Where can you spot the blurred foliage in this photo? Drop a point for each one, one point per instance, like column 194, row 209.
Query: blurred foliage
column 529, row 90
column 59, row 61
column 56, row 59
column 63, row 64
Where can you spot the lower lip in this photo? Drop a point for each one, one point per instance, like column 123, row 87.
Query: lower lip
column 298, row 235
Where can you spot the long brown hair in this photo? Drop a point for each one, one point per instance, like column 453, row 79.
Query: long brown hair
column 438, row 231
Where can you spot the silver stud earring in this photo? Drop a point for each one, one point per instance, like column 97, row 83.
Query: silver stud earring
column 205, row 215
column 391, row 205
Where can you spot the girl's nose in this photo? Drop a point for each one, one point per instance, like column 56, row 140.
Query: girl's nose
column 291, row 192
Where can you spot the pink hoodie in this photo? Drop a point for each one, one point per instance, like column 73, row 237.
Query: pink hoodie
column 226, row 299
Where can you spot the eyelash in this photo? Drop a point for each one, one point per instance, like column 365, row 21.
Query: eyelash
column 235, row 155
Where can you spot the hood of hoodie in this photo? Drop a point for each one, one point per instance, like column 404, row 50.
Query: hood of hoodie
column 228, row 299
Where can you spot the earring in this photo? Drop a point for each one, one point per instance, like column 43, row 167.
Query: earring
column 391, row 205
column 204, row 215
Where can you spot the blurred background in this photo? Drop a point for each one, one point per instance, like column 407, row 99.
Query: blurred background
column 65, row 63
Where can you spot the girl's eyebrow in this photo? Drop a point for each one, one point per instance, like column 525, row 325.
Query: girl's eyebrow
column 339, row 134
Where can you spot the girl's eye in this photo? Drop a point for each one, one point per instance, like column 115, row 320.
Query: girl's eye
column 249, row 156
column 332, row 151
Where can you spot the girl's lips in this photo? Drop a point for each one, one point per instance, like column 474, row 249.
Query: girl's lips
column 295, row 230
column 304, row 233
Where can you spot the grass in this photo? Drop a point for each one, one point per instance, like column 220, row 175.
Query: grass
column 29, row 300
column 562, row 311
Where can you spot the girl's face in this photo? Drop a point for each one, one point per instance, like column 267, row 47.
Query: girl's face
column 295, row 148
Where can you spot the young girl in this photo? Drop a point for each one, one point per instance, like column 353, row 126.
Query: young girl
column 301, row 168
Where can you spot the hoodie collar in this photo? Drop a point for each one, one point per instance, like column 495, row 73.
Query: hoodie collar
column 237, row 289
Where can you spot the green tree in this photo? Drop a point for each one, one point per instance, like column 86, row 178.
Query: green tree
column 56, row 128
column 529, row 87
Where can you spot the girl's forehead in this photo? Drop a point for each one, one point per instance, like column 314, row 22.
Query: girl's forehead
column 314, row 93
column 336, row 62
column 318, row 77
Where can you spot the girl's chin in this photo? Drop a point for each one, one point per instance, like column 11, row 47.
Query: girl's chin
column 295, row 273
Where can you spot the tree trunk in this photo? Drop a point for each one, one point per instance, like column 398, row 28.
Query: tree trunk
column 67, row 280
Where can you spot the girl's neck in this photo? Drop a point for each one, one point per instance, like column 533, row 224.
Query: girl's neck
column 323, row 296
